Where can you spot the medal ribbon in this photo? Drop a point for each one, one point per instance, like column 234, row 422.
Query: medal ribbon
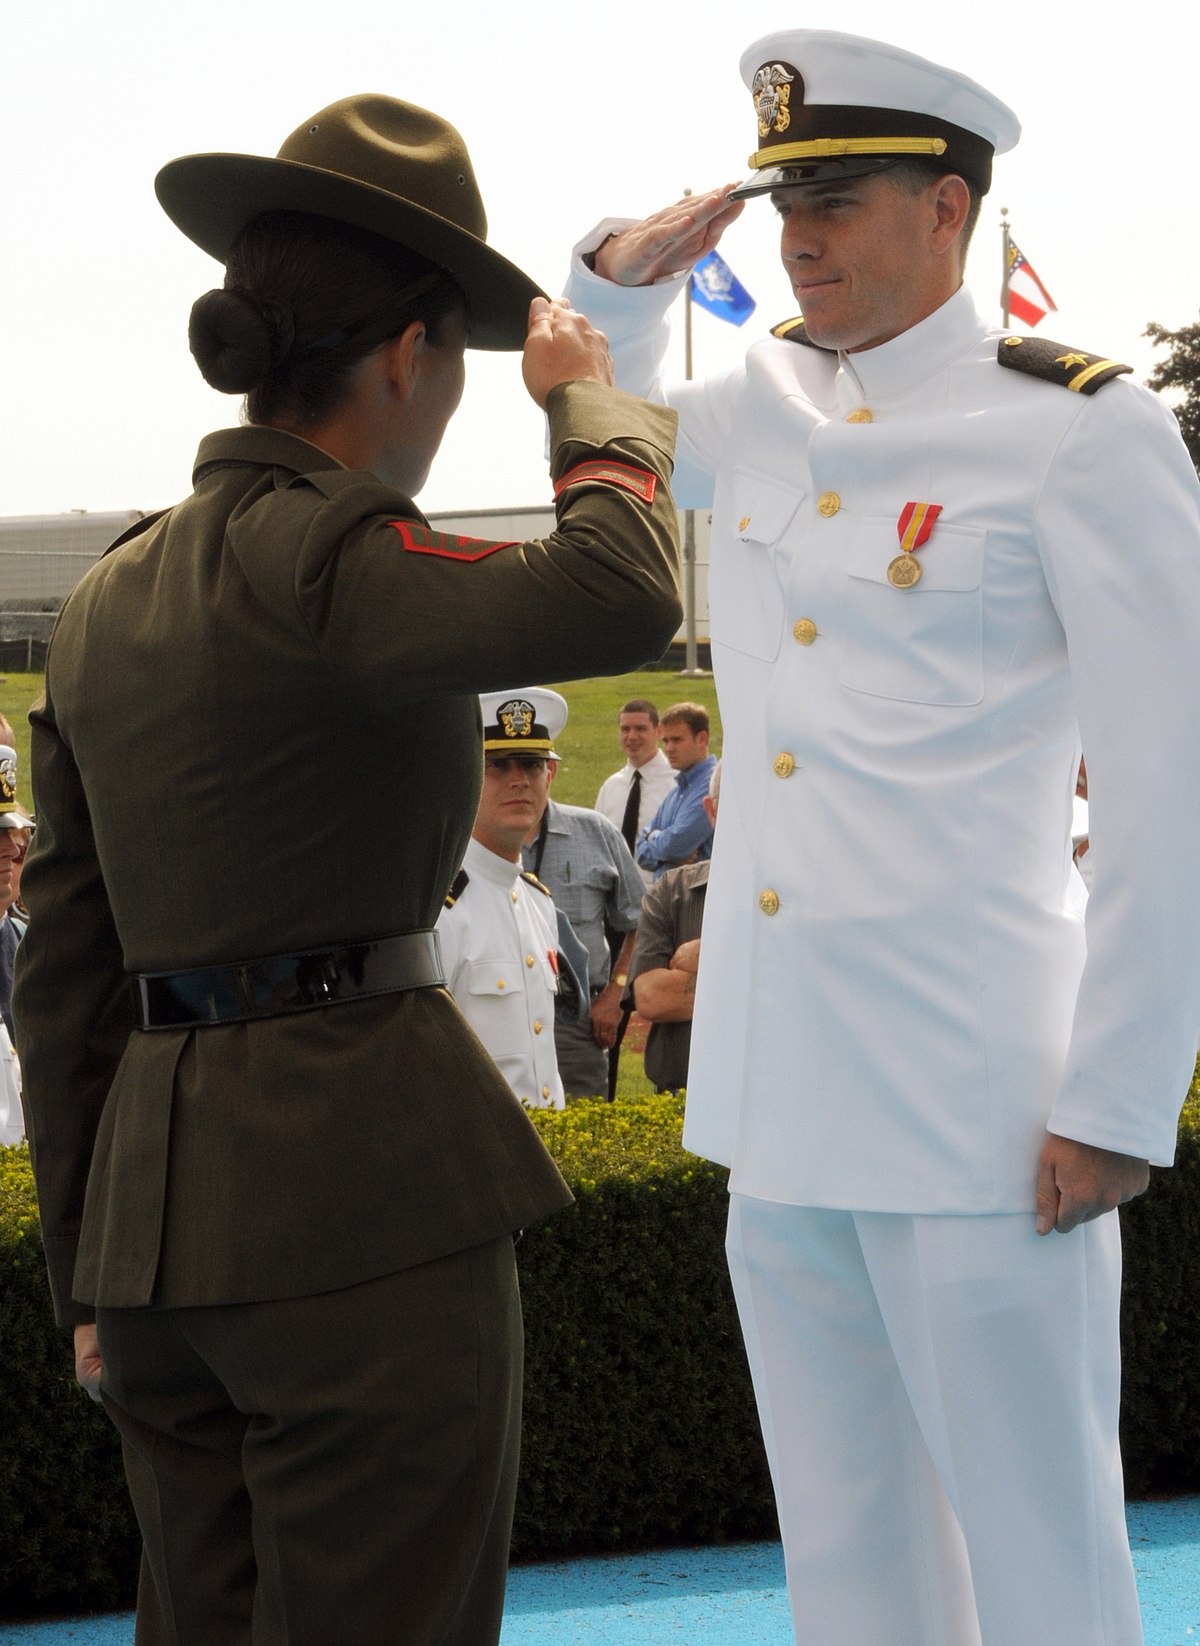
column 915, row 524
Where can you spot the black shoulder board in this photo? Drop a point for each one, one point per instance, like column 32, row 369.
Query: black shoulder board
column 457, row 887
column 533, row 880
column 795, row 331
column 1056, row 363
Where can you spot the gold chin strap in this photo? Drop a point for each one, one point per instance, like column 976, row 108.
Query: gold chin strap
column 832, row 148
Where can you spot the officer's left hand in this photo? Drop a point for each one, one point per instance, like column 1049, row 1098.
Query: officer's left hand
column 88, row 1369
column 606, row 1016
column 1077, row 1182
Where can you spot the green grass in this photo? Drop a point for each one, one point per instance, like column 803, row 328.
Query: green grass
column 589, row 746
column 589, row 749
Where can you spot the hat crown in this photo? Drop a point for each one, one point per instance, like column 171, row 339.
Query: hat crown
column 831, row 105
column 395, row 147
column 530, row 719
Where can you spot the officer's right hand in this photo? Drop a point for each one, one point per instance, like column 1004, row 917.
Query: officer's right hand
column 562, row 347
column 674, row 239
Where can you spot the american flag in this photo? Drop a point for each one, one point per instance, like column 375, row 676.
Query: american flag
column 1028, row 299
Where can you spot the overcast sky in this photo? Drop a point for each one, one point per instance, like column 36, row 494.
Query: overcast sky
column 570, row 113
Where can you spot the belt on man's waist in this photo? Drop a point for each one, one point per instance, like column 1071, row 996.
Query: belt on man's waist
column 288, row 983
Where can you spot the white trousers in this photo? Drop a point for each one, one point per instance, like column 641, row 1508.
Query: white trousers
column 939, row 1400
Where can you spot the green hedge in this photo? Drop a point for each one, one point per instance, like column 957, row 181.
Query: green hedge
column 639, row 1420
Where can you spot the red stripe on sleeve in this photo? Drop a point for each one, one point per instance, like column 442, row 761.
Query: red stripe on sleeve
column 639, row 481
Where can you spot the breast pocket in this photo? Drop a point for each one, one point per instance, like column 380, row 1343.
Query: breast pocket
column 922, row 644
column 745, row 597
column 495, row 1005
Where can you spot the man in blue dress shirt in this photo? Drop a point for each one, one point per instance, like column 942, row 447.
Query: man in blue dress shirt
column 680, row 831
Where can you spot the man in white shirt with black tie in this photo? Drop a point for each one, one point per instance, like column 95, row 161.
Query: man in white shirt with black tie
column 630, row 797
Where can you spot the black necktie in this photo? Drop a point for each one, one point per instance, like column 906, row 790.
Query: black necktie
column 629, row 823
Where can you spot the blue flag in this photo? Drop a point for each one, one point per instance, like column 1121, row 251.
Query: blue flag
column 716, row 288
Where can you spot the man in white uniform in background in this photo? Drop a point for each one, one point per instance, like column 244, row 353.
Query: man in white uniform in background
column 498, row 931
column 931, row 577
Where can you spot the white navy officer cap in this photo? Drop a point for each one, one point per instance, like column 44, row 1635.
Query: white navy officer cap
column 524, row 722
column 832, row 106
column 10, row 817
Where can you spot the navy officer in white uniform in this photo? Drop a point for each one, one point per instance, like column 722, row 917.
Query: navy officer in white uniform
column 942, row 557
column 498, row 930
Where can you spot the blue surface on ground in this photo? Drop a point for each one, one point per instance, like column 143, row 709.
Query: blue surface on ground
column 726, row 1596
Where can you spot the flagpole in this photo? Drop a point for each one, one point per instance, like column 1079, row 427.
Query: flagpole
column 1006, row 244
column 691, row 663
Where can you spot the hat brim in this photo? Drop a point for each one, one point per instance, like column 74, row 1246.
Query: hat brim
column 803, row 174
column 15, row 820
column 212, row 197
column 532, row 749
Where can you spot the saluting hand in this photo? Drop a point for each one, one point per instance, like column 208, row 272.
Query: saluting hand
column 562, row 346
column 674, row 239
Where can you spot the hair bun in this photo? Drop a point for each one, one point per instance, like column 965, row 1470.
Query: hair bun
column 238, row 338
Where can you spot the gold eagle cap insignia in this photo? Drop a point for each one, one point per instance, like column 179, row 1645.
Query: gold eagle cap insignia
column 516, row 718
column 772, row 91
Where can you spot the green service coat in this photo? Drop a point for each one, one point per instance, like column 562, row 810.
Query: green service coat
column 261, row 734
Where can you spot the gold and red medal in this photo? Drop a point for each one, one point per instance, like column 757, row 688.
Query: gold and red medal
column 913, row 528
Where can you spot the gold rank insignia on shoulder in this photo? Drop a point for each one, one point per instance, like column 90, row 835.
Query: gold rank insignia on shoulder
column 531, row 879
column 421, row 540
column 1056, row 363
column 795, row 331
column 457, row 887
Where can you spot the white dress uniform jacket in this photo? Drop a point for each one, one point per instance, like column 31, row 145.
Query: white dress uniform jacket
column 497, row 940
column 895, row 999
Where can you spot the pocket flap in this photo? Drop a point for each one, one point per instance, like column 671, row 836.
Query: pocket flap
column 762, row 508
column 494, row 977
column 952, row 559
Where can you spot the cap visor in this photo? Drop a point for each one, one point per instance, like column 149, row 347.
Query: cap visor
column 805, row 175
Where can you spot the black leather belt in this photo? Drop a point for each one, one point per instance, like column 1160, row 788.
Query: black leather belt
column 288, row 982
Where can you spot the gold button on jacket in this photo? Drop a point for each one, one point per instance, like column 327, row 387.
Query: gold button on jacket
column 785, row 765
column 769, row 902
column 828, row 504
column 805, row 631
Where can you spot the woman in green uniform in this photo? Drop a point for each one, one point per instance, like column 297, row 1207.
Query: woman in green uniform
column 278, row 1175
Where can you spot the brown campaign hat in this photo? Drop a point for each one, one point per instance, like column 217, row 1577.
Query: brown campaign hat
column 379, row 164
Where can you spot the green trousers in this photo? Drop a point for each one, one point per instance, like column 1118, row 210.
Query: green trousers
column 336, row 1470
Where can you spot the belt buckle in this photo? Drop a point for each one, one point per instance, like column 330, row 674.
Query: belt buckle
column 317, row 978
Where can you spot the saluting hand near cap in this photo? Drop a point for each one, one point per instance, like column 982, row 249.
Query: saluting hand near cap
column 669, row 241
